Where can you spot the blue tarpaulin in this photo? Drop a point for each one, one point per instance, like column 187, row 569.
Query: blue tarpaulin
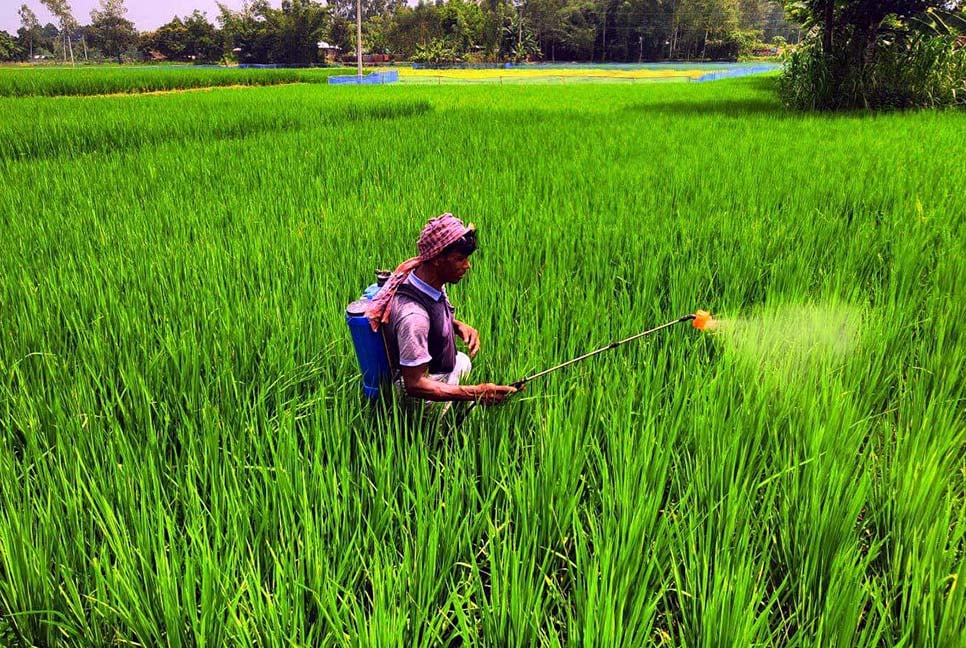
column 737, row 72
column 375, row 78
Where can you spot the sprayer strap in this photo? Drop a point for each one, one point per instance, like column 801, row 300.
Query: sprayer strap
column 394, row 371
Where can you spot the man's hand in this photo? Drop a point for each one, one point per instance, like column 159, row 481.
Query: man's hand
column 492, row 394
column 469, row 335
column 419, row 385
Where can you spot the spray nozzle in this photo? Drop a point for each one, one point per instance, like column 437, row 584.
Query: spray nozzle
column 703, row 320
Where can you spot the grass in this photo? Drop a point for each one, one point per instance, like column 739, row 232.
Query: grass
column 185, row 460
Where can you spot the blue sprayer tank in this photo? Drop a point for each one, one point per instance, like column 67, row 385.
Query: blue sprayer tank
column 369, row 345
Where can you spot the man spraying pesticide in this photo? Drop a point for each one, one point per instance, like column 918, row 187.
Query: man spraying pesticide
column 404, row 330
column 412, row 336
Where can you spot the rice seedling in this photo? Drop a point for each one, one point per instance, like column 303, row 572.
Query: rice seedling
column 186, row 459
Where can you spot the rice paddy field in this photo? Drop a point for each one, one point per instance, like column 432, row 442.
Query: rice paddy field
column 57, row 81
column 185, row 458
column 28, row 81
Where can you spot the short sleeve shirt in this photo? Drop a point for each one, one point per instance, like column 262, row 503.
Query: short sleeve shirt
column 411, row 323
column 420, row 330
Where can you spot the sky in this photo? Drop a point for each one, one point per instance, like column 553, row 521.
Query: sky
column 145, row 14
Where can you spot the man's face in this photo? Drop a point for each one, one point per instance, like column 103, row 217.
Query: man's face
column 452, row 266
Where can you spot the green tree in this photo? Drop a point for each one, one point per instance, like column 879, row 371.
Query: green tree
column 462, row 23
column 201, row 39
column 111, row 32
column 50, row 32
column 342, row 33
column 864, row 53
column 30, row 34
column 641, row 30
column 496, row 13
column 413, row 27
column 370, row 8
column 571, row 29
column 290, row 35
column 296, row 28
column 245, row 31
column 519, row 41
column 61, row 10
column 375, row 34
column 547, row 18
column 9, row 50
column 168, row 41
column 384, row 26
column 190, row 39
column 579, row 25
column 850, row 28
column 706, row 29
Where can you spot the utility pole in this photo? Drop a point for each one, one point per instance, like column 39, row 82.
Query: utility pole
column 359, row 37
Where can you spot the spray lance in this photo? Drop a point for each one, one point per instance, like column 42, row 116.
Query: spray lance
column 701, row 320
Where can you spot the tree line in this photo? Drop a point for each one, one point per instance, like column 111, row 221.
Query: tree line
column 848, row 54
column 875, row 54
column 440, row 31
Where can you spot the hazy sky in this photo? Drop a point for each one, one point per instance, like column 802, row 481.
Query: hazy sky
column 145, row 14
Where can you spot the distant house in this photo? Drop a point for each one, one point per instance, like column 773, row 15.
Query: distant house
column 769, row 50
column 329, row 52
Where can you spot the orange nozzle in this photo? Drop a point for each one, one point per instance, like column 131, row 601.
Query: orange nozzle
column 702, row 319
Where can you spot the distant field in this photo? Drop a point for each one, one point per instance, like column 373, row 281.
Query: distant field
column 107, row 80
column 61, row 81
column 574, row 72
column 185, row 459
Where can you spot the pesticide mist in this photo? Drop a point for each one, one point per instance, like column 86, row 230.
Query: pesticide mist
column 792, row 341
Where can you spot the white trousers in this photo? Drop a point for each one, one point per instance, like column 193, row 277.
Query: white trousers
column 460, row 369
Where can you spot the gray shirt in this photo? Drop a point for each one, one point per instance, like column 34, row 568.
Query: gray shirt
column 420, row 328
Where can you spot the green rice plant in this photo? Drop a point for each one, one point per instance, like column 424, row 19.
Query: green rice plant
column 53, row 82
column 133, row 123
column 185, row 458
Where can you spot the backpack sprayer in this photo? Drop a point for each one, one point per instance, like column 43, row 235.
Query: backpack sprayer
column 373, row 358
column 370, row 346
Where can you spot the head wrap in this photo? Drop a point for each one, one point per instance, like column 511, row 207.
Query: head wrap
column 437, row 235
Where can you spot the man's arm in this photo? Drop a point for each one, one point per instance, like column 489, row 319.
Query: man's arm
column 419, row 385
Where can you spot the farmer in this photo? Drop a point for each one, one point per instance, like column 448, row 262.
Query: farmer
column 418, row 322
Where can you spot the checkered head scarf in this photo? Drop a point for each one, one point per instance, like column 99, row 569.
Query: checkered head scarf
column 437, row 235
